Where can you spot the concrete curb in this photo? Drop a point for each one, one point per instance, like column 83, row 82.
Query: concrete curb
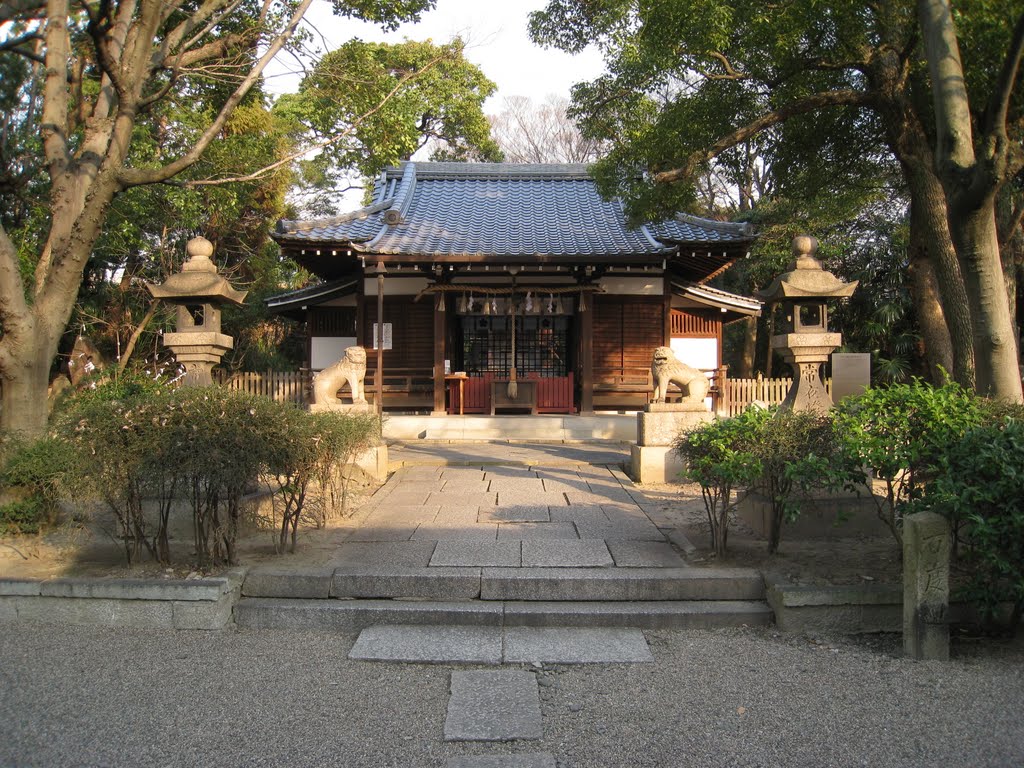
column 141, row 603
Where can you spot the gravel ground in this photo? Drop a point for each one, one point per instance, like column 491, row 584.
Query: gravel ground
column 119, row 697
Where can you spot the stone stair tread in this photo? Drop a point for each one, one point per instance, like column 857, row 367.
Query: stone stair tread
column 354, row 615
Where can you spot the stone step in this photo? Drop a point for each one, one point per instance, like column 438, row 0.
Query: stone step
column 520, row 584
column 355, row 615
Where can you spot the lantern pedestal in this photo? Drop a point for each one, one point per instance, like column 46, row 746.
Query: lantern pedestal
column 198, row 353
column 806, row 353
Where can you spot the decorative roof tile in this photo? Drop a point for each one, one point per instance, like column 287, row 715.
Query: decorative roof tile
column 500, row 209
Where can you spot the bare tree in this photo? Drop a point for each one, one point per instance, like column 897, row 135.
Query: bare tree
column 542, row 133
column 105, row 67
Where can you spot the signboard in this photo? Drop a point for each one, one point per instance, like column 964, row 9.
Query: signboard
column 387, row 336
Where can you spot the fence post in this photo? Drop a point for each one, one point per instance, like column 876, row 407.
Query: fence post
column 722, row 385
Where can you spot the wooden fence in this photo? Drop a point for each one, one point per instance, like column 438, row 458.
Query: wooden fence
column 290, row 387
column 740, row 393
column 281, row 386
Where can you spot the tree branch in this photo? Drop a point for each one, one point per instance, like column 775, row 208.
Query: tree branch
column 53, row 124
column 130, row 177
column 1009, row 228
column 798, row 107
column 998, row 106
column 21, row 9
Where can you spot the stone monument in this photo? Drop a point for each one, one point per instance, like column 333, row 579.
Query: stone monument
column 350, row 370
column 805, row 342
column 926, row 548
column 198, row 291
column 658, row 425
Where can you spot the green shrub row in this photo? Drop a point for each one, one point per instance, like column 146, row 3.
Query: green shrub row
column 932, row 448
column 137, row 446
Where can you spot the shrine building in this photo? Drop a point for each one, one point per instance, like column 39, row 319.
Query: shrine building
column 468, row 275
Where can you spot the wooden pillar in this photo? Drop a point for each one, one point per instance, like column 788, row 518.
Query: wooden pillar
column 378, row 375
column 440, row 332
column 586, row 321
column 667, row 310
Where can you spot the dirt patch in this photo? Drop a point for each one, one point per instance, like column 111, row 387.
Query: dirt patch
column 87, row 548
column 834, row 557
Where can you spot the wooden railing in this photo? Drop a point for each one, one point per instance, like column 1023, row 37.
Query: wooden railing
column 740, row 393
column 554, row 394
column 280, row 386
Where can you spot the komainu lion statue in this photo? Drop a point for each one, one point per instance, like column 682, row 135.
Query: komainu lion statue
column 351, row 369
column 667, row 369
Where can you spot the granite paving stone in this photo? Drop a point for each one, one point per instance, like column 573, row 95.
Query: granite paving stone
column 372, row 532
column 517, row 760
column 477, row 553
column 405, row 554
column 493, row 705
column 559, row 645
column 405, row 495
column 523, row 531
column 507, row 498
column 429, row 644
column 531, row 484
column 515, row 513
column 478, row 499
column 470, row 532
column 557, row 553
column 620, row 531
column 579, row 514
column 454, row 515
column 639, row 554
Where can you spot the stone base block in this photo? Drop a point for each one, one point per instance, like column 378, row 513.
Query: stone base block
column 822, row 517
column 341, row 407
column 374, row 462
column 662, row 427
column 655, row 464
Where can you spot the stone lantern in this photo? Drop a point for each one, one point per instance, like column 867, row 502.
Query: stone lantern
column 198, row 291
column 804, row 341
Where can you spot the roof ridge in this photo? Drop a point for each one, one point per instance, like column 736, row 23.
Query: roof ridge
column 732, row 227
column 285, row 226
column 435, row 170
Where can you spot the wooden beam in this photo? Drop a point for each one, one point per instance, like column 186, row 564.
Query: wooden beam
column 378, row 375
column 585, row 318
column 440, row 330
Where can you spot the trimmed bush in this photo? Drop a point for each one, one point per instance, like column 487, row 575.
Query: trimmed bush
column 979, row 486
column 899, row 432
column 209, row 446
column 720, row 456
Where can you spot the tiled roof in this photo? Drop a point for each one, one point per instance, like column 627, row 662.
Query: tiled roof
column 500, row 209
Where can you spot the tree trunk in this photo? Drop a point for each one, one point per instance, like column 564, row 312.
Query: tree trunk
column 745, row 359
column 25, row 385
column 929, row 214
column 995, row 346
column 924, row 291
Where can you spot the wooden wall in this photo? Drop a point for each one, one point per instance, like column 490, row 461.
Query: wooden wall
column 412, row 328
column 626, row 330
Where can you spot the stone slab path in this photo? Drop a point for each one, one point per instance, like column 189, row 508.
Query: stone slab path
column 493, row 705
column 494, row 645
column 561, row 515
column 531, row 760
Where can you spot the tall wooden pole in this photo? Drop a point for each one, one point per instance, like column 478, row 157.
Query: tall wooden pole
column 378, row 375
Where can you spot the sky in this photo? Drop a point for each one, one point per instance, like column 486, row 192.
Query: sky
column 496, row 37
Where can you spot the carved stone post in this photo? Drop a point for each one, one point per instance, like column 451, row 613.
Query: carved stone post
column 926, row 547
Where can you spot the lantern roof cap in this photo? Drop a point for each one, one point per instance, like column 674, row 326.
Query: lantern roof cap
column 198, row 280
column 806, row 278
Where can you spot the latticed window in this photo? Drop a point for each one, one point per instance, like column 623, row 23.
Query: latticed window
column 541, row 345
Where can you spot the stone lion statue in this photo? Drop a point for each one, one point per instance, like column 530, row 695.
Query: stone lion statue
column 667, row 369
column 351, row 369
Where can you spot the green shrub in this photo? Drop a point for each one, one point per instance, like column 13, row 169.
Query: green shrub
column 210, row 446
column 720, row 456
column 39, row 468
column 899, row 432
column 23, row 516
column 980, row 485
column 797, row 453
